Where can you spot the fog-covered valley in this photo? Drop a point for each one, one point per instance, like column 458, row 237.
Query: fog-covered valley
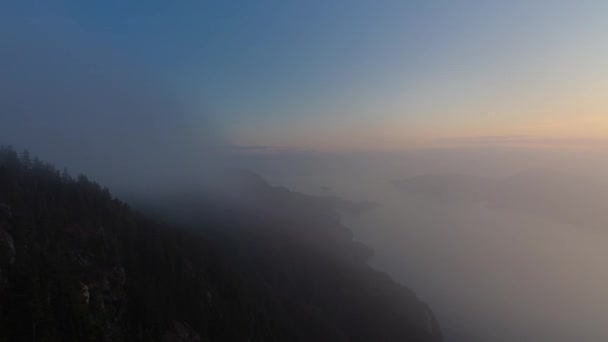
column 508, row 247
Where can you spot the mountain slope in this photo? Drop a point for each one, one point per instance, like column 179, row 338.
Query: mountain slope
column 294, row 246
column 86, row 267
column 77, row 264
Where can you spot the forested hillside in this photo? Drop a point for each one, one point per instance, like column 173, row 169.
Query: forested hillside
column 77, row 264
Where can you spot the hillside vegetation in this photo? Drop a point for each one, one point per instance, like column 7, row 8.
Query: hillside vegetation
column 77, row 264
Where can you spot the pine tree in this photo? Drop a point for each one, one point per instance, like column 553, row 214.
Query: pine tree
column 26, row 160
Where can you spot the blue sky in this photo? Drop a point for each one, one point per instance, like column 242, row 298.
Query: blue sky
column 361, row 74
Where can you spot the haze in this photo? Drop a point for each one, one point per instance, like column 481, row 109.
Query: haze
column 479, row 127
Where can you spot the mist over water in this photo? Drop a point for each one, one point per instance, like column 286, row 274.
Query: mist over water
column 491, row 270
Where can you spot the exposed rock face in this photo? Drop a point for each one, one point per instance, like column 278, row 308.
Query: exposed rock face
column 86, row 295
column 181, row 332
column 7, row 248
column 5, row 211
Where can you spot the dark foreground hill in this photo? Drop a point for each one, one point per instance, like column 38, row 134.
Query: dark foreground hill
column 264, row 265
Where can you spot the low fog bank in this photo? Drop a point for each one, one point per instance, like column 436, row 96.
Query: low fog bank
column 504, row 245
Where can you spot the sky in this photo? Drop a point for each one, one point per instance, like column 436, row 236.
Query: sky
column 360, row 75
